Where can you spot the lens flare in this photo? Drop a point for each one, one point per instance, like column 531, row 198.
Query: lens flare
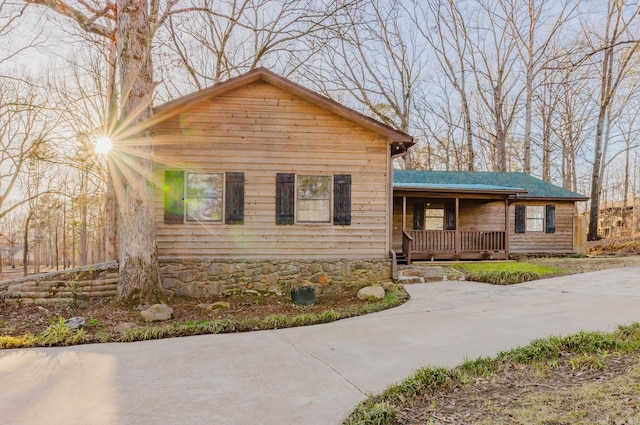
column 103, row 145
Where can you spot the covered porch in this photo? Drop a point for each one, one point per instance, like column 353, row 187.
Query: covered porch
column 451, row 223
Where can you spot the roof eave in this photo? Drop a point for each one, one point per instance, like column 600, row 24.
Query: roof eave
column 463, row 191
column 554, row 198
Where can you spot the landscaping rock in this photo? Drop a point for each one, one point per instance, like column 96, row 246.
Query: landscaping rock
column 44, row 310
column 374, row 291
column 220, row 305
column 75, row 323
column 124, row 326
column 386, row 285
column 156, row 313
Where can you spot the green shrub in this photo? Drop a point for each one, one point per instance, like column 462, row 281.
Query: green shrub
column 507, row 273
column 59, row 333
column 21, row 341
column 380, row 413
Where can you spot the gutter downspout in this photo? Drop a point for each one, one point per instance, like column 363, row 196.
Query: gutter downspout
column 392, row 157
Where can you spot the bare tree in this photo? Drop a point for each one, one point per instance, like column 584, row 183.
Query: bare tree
column 229, row 37
column 24, row 129
column 131, row 24
column 11, row 227
column 373, row 58
column 535, row 28
column 451, row 45
column 612, row 57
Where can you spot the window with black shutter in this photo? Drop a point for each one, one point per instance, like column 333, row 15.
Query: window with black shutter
column 449, row 217
column 285, row 198
column 234, row 198
column 550, row 219
column 342, row 199
column 418, row 215
column 173, row 197
column 521, row 219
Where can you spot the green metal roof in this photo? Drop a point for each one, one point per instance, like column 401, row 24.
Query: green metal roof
column 481, row 181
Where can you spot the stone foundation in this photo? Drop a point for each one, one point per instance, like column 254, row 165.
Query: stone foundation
column 205, row 277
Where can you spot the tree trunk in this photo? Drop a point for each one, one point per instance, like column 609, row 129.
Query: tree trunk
column 111, row 224
column 139, row 270
column 596, row 177
column 83, row 231
column 25, row 244
column 111, row 203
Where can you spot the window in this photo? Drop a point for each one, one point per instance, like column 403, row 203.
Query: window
column 313, row 196
column 428, row 216
column 434, row 219
column 535, row 218
column 309, row 199
column 203, row 197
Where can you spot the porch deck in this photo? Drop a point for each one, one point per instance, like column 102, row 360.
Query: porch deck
column 454, row 245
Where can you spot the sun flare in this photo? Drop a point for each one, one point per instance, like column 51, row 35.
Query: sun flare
column 103, row 145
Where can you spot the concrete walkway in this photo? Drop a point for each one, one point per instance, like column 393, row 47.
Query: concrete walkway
column 311, row 375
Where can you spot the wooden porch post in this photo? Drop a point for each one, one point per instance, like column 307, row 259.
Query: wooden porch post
column 457, row 233
column 404, row 213
column 506, row 228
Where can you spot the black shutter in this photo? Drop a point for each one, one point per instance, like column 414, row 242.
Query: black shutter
column 173, row 197
column 342, row 199
column 285, row 198
column 234, row 198
column 521, row 219
column 550, row 219
column 449, row 217
column 418, row 215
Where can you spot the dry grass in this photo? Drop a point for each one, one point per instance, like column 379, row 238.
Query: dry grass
column 587, row 378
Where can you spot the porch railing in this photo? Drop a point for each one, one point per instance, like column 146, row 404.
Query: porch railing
column 425, row 243
column 481, row 241
column 433, row 240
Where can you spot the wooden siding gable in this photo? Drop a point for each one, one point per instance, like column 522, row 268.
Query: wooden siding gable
column 402, row 141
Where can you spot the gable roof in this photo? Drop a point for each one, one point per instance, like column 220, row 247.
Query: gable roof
column 167, row 110
column 525, row 186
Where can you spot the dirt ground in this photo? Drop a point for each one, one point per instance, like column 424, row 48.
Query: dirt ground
column 596, row 391
column 103, row 316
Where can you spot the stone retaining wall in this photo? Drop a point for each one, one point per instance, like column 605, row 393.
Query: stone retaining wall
column 95, row 281
column 204, row 277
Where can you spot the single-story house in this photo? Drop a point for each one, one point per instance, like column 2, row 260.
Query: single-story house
column 262, row 183
column 482, row 215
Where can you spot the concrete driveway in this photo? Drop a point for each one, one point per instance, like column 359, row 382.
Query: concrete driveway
column 310, row 375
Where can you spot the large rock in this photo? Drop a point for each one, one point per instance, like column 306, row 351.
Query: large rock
column 368, row 292
column 219, row 305
column 124, row 326
column 75, row 323
column 156, row 313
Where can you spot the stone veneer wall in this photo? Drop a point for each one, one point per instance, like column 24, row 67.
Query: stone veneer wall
column 204, row 277
column 95, row 281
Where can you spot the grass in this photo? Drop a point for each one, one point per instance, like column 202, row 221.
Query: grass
column 59, row 334
column 508, row 273
column 584, row 351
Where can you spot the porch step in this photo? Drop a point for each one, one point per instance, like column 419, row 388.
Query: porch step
column 427, row 273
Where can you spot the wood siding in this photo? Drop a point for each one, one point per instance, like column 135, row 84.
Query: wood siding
column 262, row 130
column 559, row 242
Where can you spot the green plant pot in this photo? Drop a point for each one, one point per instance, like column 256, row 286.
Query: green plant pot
column 304, row 295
